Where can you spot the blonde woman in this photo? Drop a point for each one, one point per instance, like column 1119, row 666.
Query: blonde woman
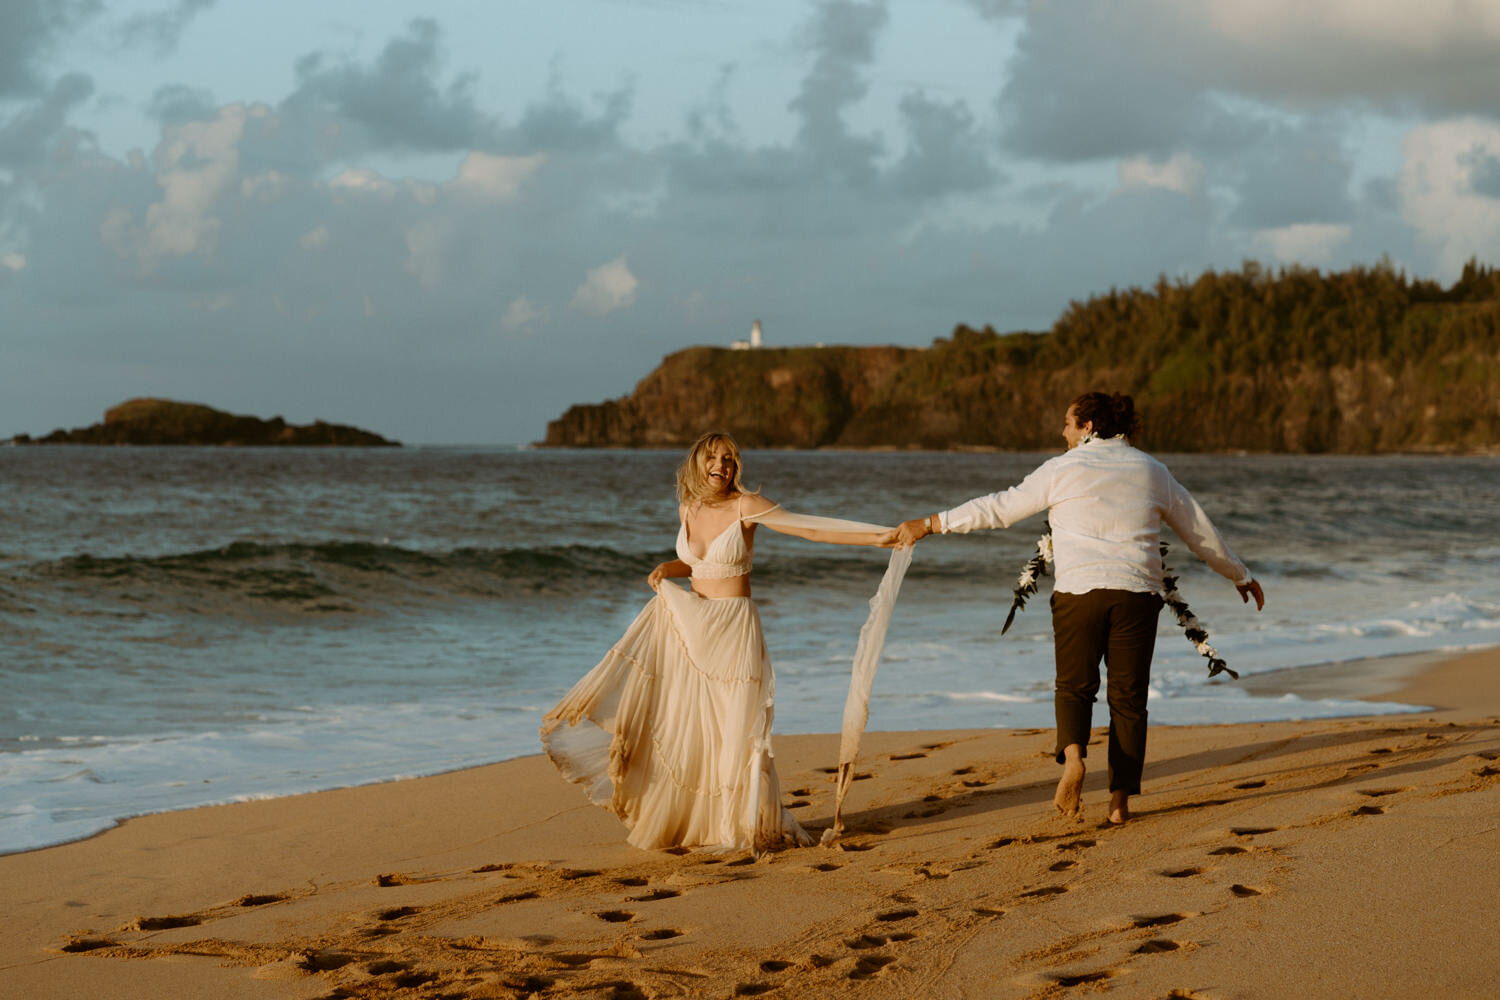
column 672, row 730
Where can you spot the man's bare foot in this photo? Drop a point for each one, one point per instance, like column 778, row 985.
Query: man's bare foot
column 1119, row 807
column 1070, row 788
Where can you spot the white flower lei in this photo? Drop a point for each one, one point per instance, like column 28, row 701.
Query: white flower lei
column 1036, row 567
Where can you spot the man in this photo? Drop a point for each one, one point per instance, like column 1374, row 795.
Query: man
column 1108, row 501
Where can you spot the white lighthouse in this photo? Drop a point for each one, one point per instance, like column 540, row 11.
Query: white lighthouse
column 753, row 344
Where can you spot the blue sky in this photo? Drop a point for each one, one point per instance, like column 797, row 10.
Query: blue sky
column 448, row 222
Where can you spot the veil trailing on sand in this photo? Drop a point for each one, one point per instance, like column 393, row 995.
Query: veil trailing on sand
column 866, row 653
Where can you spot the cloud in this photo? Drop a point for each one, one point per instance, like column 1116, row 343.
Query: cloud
column 494, row 178
column 946, row 152
column 197, row 163
column 395, row 103
column 1484, row 172
column 1158, row 76
column 26, row 139
column 161, row 30
column 608, row 287
column 843, row 42
column 521, row 314
column 1182, row 173
column 1438, row 191
column 315, row 238
column 32, row 29
column 1303, row 243
column 1293, row 175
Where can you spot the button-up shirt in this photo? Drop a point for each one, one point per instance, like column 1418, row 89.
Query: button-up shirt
column 1108, row 501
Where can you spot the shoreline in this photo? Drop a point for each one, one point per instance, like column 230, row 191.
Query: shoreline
column 955, row 878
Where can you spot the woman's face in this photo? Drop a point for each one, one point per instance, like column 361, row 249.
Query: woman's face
column 1072, row 433
column 719, row 467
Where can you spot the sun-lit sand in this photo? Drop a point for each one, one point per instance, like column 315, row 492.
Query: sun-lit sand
column 1340, row 858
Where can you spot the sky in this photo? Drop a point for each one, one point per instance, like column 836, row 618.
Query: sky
column 447, row 222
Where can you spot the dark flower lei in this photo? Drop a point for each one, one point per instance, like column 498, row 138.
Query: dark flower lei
column 1036, row 567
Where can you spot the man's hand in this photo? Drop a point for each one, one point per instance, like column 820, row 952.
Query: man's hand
column 913, row 531
column 1249, row 590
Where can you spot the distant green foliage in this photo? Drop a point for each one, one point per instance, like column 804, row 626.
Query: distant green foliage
column 1292, row 360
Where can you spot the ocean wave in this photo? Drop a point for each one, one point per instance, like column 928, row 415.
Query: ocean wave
column 343, row 577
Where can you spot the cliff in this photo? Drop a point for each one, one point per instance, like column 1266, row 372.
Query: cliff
column 1360, row 361
column 166, row 422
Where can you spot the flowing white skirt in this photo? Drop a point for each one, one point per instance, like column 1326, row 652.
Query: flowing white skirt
column 672, row 730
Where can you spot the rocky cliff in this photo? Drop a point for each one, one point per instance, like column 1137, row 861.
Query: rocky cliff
column 1361, row 362
column 166, row 422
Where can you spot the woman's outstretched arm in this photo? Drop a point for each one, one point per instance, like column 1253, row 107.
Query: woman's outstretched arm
column 674, row 568
column 758, row 510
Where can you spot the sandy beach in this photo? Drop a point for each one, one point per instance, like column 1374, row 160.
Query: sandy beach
column 1349, row 857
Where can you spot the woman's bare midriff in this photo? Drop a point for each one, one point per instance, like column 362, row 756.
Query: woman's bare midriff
column 734, row 586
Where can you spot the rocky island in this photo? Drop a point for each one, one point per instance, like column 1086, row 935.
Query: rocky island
column 167, row 422
column 1362, row 361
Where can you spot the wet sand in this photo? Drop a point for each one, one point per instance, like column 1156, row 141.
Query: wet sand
column 1328, row 858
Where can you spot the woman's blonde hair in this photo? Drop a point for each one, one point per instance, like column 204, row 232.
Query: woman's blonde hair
column 693, row 487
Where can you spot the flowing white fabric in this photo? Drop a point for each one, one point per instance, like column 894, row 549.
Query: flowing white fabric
column 671, row 731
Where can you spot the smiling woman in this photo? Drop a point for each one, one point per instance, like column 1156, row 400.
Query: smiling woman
column 672, row 730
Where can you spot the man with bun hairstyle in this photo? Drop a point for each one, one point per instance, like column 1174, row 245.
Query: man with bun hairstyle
column 1107, row 502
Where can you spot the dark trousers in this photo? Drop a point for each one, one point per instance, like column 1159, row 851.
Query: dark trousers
column 1119, row 627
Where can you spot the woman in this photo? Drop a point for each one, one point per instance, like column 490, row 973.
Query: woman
column 672, row 730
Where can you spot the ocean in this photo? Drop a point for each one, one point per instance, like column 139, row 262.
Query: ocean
column 185, row 626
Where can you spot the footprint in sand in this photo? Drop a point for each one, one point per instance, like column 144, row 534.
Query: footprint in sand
column 1046, row 890
column 253, row 900
column 631, row 880
column 1190, row 872
column 1252, row 831
column 1380, row 793
column 752, row 989
column 1246, row 785
column 325, row 961
column 826, row 868
column 1383, row 750
column 907, row 756
column 1002, row 842
column 798, row 804
column 661, row 934
column 1369, row 811
column 895, row 915
column 962, row 771
column 614, row 916
column 1062, row 866
column 86, row 944
column 385, row 968
column 516, row 897
column 802, row 793
column 985, row 911
column 1156, row 946
column 531, row 984
column 574, row 874
column 1161, row 920
column 656, row 894
column 977, row 783
column 870, row 966
column 1243, row 891
column 397, row 912
column 775, row 965
column 1079, row 979
column 1221, row 851
column 163, row 923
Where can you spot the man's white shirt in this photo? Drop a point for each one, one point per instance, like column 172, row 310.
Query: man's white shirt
column 1108, row 502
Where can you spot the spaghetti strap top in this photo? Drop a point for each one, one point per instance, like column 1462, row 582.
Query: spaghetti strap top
column 726, row 556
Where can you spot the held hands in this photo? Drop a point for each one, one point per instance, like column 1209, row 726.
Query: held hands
column 1249, row 590
column 913, row 531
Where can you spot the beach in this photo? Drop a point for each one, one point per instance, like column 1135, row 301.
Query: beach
column 1317, row 858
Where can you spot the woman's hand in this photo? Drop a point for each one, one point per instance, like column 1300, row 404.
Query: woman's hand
column 674, row 567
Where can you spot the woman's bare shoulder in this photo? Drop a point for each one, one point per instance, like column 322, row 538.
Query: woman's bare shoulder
column 753, row 503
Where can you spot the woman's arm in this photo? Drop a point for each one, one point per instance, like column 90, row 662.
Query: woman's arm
column 674, row 568
column 755, row 506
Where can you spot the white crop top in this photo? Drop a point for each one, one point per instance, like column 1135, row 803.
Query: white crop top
column 726, row 556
